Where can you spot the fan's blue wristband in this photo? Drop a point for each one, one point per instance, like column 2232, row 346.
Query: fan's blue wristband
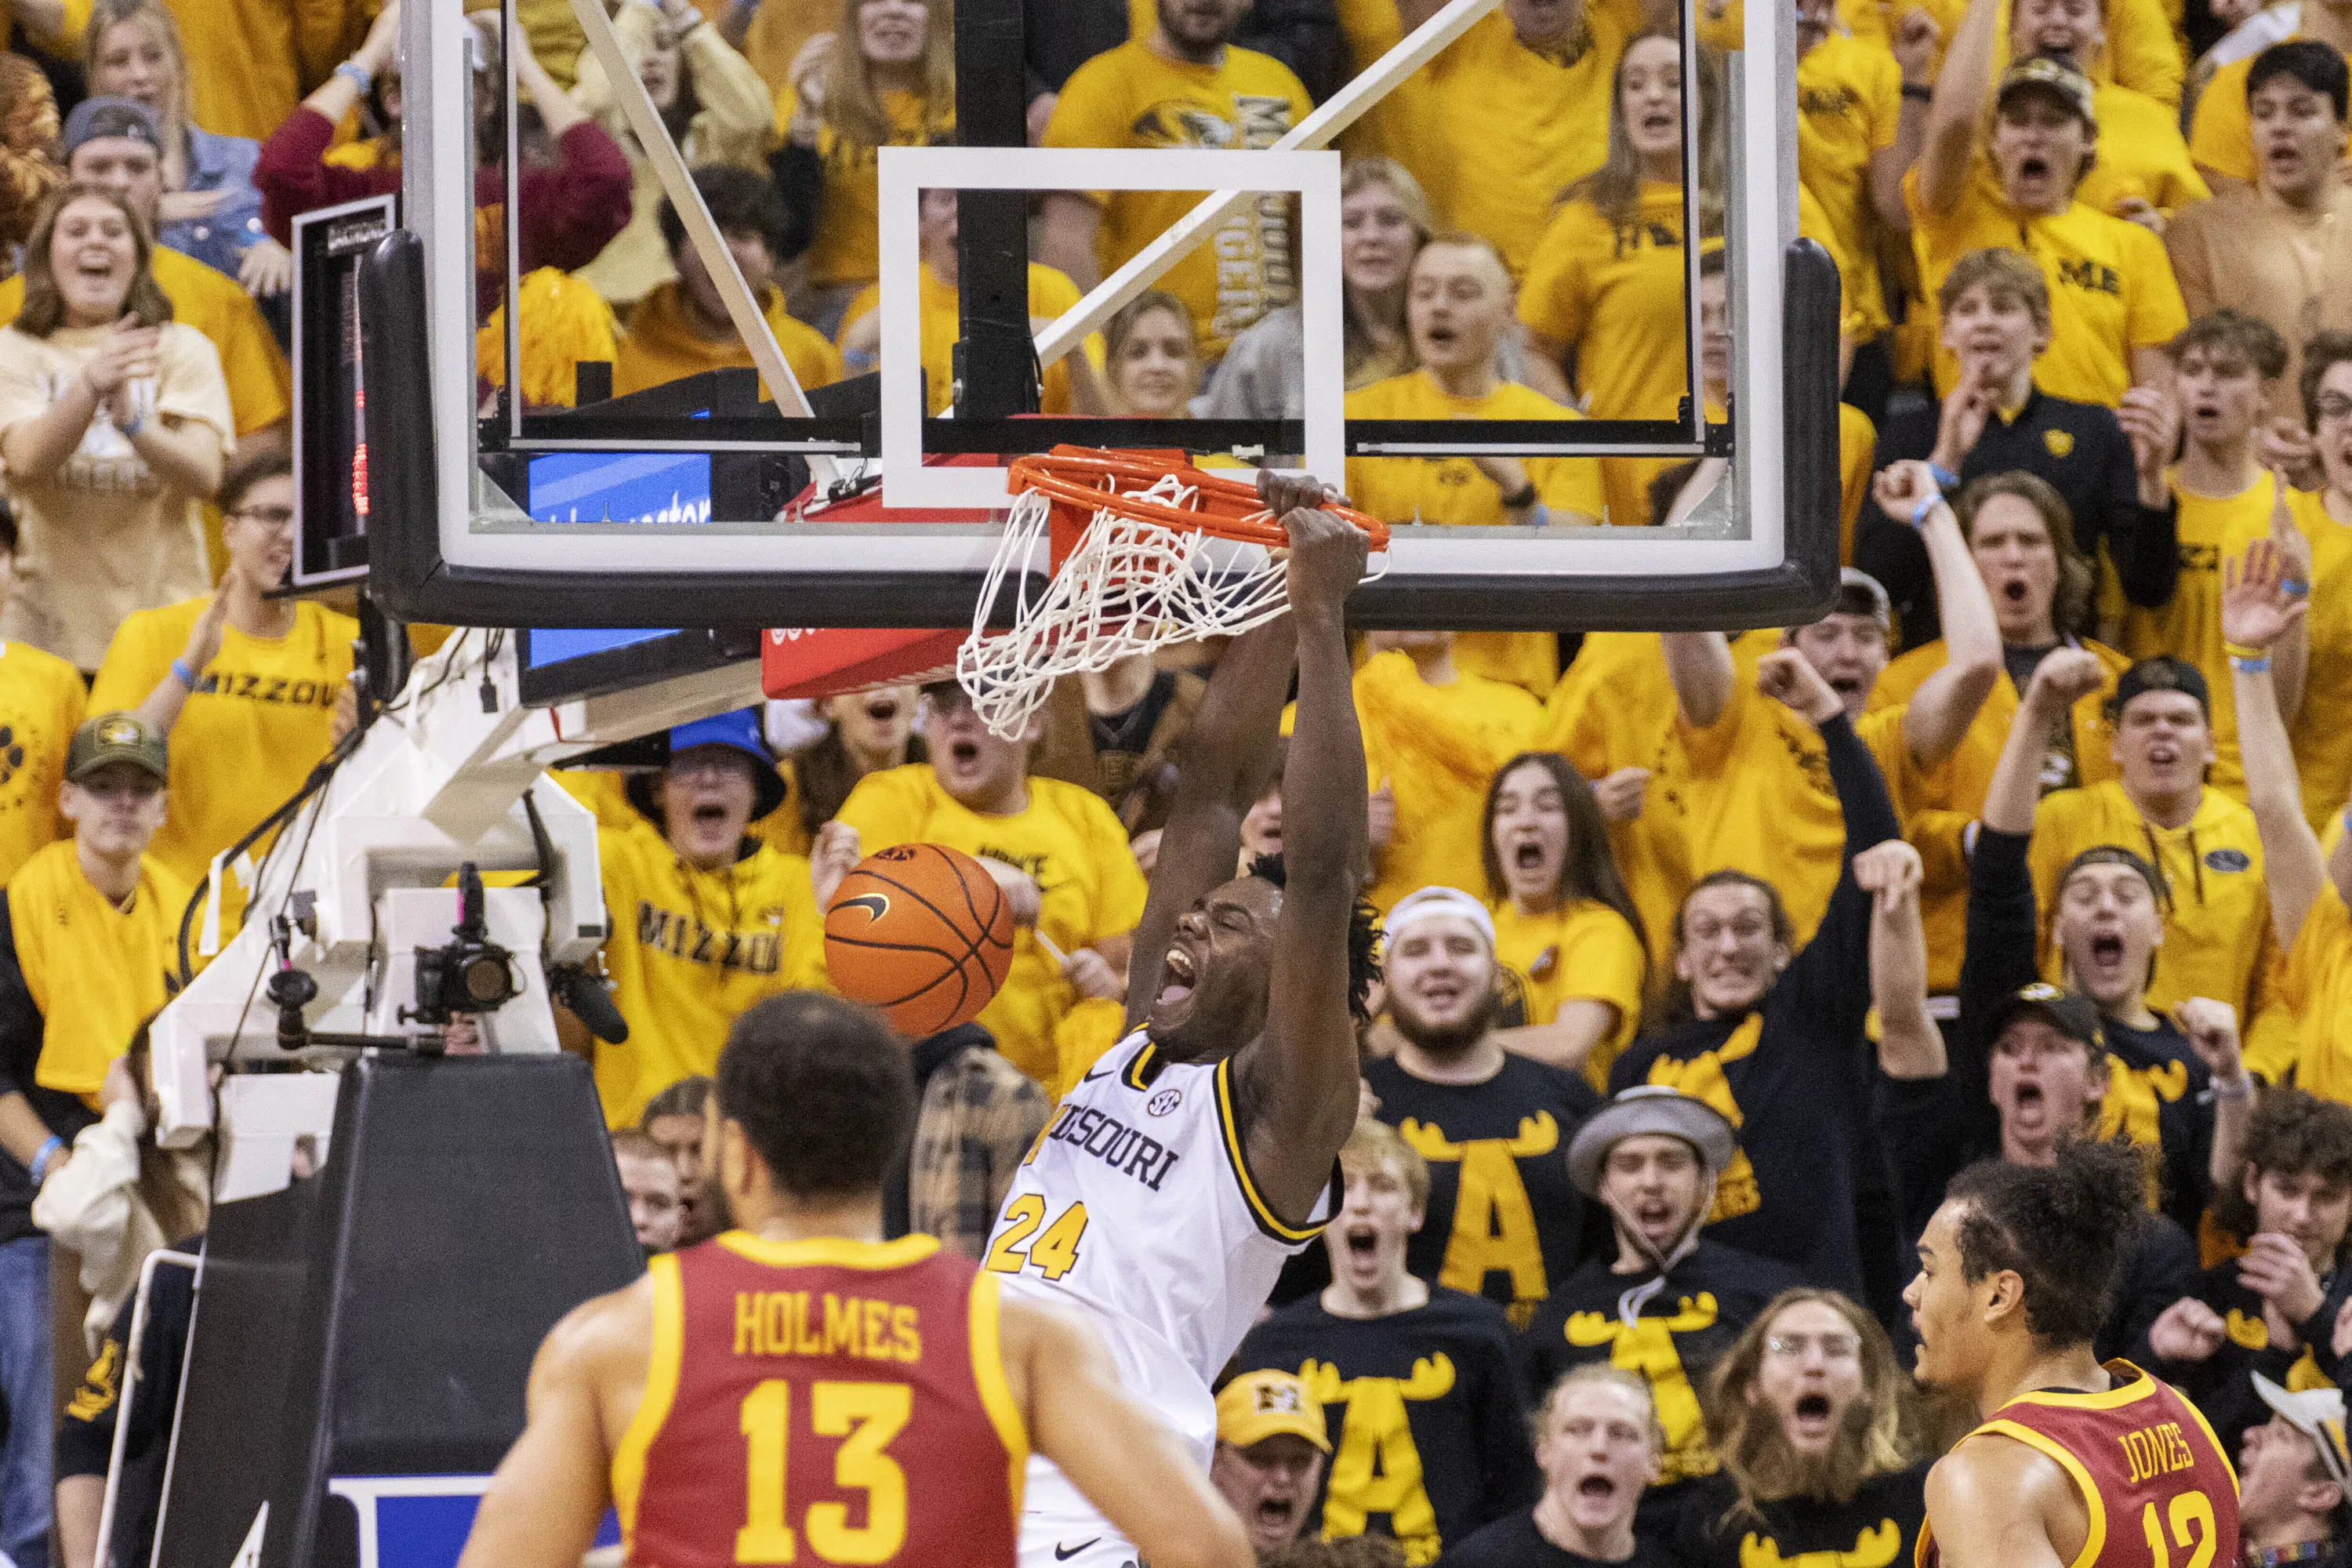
column 185, row 676
column 41, row 1158
column 358, row 75
column 1919, row 514
column 1945, row 477
column 2294, row 587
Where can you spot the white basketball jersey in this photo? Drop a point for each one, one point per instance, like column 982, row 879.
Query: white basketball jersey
column 1136, row 1207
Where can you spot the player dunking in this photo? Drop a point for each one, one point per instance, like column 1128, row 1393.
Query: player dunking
column 798, row 1390
column 1197, row 1155
column 2076, row 1463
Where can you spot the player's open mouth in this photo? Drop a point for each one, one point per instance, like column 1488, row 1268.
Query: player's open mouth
column 963, row 752
column 2013, row 591
column 1811, row 1418
column 882, row 712
column 1441, row 335
column 1844, row 685
column 1602, row 1489
column 710, row 813
column 2106, row 949
column 1528, row 854
column 2035, row 167
column 1183, row 974
column 2026, row 1094
column 1362, row 1240
column 1275, row 1513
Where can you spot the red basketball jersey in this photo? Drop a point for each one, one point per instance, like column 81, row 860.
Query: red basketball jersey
column 2160, row 1491
column 821, row 1402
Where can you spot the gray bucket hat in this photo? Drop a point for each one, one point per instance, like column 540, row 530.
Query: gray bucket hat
column 1650, row 1107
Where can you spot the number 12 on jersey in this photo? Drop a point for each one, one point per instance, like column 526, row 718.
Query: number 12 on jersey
column 865, row 1416
column 1054, row 1254
column 2192, row 1530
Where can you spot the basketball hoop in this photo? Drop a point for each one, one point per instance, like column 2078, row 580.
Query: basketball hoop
column 1147, row 552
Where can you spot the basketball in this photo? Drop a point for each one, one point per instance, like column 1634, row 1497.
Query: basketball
column 922, row 933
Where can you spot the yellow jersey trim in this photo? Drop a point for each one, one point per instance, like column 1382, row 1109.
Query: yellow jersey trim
column 1134, row 1077
column 661, row 1390
column 2095, row 1539
column 830, row 1252
column 1273, row 1223
column 2138, row 1388
column 995, row 1394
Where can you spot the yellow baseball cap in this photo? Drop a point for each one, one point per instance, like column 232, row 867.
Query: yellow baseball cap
column 1261, row 1405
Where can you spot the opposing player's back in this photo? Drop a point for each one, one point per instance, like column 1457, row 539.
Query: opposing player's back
column 847, row 1397
column 2153, row 1479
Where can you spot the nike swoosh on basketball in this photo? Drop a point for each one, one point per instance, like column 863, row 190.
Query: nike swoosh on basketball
column 1063, row 1553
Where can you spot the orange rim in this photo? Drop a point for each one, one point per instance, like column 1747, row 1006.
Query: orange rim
column 1223, row 507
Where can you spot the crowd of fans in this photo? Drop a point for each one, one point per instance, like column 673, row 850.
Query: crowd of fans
column 1710, row 960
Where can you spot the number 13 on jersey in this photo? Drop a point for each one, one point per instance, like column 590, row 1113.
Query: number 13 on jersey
column 1052, row 1254
column 865, row 1416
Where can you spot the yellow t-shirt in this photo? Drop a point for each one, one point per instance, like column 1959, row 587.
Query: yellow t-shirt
column 41, row 705
column 250, row 61
column 2317, row 989
column 1453, row 490
column 1435, row 748
column 2140, row 154
column 103, row 534
column 1612, row 292
column 1857, row 450
column 255, row 725
column 1848, row 97
column 1582, row 951
column 1067, row 839
column 261, row 385
column 1051, row 294
column 848, row 244
column 2111, row 284
column 2188, row 626
column 1754, row 789
column 1133, row 96
column 1616, row 708
column 1950, row 796
column 95, row 972
column 1495, row 130
column 691, row 949
column 660, row 346
column 2217, row 926
column 2323, row 729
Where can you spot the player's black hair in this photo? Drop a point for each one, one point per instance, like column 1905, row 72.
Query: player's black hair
column 2310, row 62
column 2062, row 1229
column 741, row 201
column 1363, row 939
column 824, row 1091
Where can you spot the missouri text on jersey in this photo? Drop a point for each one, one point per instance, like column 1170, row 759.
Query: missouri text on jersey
column 1127, row 1150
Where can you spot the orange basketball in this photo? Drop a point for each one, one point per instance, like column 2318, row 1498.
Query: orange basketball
column 922, row 932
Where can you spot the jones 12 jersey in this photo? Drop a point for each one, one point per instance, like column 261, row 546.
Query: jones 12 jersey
column 1137, row 1207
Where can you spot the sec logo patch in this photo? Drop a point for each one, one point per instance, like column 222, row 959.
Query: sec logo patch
column 1166, row 1100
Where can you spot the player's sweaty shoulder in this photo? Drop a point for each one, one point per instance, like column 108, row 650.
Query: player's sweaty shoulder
column 602, row 1349
column 1994, row 1500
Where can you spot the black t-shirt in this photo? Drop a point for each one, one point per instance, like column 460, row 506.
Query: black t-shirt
column 2165, row 1094
column 2222, row 1384
column 85, row 1434
column 1504, row 1220
column 20, row 1054
column 1429, row 1436
column 1795, row 1074
column 1879, row 1525
column 1680, row 1328
column 1515, row 1543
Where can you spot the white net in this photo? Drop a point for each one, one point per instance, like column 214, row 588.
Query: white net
column 1129, row 588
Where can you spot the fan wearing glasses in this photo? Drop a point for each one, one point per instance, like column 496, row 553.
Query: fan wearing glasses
column 243, row 683
column 1811, row 1416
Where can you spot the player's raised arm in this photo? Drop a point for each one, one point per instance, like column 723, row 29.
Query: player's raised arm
column 550, row 1492
column 1115, row 1449
column 1222, row 767
column 1295, row 1084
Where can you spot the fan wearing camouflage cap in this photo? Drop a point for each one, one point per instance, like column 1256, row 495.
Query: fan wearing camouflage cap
column 1672, row 1300
column 88, row 930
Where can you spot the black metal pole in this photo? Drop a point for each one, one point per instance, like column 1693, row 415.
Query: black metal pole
column 996, row 364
